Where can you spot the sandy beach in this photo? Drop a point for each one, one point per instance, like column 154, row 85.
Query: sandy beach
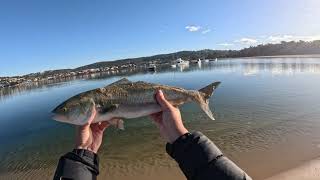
column 307, row 171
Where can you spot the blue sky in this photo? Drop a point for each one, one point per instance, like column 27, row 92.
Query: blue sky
column 38, row 35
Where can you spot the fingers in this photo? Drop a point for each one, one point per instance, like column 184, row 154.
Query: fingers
column 92, row 115
column 162, row 100
column 103, row 125
column 86, row 127
column 156, row 118
column 155, row 115
column 99, row 127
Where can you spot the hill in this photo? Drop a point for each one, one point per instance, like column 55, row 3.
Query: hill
column 283, row 48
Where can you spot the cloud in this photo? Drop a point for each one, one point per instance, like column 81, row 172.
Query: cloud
column 225, row 44
column 247, row 41
column 206, row 31
column 193, row 28
column 279, row 38
column 273, row 39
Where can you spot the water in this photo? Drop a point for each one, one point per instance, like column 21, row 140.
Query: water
column 267, row 120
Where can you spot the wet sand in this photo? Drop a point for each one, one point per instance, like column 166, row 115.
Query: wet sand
column 263, row 159
column 158, row 174
column 307, row 171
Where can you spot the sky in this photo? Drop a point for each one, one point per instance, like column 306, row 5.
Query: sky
column 38, row 35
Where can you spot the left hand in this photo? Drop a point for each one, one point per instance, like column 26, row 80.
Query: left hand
column 89, row 136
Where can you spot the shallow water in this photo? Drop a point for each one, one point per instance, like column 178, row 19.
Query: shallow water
column 267, row 120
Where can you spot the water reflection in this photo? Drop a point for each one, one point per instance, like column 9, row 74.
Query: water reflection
column 247, row 67
column 183, row 67
column 281, row 68
column 28, row 87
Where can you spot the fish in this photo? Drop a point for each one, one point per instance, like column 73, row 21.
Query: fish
column 125, row 99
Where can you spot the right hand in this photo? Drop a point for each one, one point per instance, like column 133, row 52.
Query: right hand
column 168, row 120
column 89, row 136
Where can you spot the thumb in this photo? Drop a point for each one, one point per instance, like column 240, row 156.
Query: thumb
column 86, row 126
column 92, row 115
column 162, row 101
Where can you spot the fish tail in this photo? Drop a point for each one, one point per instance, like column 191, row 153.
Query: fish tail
column 205, row 94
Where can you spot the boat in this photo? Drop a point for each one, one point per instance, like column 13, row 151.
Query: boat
column 216, row 60
column 181, row 62
column 152, row 67
column 173, row 65
column 199, row 61
column 206, row 60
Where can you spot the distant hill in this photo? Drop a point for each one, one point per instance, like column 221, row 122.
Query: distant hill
column 162, row 58
column 48, row 73
column 283, row 48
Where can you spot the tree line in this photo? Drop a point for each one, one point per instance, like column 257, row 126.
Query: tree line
column 283, row 48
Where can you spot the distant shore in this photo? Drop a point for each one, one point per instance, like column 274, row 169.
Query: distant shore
column 289, row 56
column 69, row 74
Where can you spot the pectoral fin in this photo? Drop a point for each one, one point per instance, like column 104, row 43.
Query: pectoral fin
column 108, row 108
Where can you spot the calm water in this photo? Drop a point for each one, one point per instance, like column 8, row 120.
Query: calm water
column 267, row 120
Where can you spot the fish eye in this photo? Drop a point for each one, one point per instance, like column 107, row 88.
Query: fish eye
column 64, row 109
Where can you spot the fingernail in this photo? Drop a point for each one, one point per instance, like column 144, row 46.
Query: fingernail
column 160, row 92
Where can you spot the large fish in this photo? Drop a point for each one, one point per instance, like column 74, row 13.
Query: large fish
column 126, row 99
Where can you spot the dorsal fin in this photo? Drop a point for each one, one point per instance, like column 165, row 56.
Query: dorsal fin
column 121, row 81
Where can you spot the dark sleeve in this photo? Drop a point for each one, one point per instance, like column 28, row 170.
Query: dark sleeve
column 80, row 164
column 200, row 159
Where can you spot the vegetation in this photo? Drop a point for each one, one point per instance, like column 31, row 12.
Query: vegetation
column 283, row 48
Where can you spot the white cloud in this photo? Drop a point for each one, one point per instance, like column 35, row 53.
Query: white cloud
column 273, row 39
column 225, row 44
column 279, row 38
column 247, row 41
column 206, row 31
column 193, row 28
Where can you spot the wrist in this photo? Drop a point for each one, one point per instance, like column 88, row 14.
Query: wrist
column 85, row 148
column 85, row 152
column 180, row 132
column 87, row 157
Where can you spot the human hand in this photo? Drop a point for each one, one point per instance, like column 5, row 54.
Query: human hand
column 89, row 136
column 168, row 120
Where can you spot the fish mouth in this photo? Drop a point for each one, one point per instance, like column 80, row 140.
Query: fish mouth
column 60, row 118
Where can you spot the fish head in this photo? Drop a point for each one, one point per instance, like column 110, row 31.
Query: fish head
column 75, row 110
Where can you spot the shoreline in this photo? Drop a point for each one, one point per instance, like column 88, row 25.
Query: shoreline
column 15, row 81
column 287, row 56
column 309, row 170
